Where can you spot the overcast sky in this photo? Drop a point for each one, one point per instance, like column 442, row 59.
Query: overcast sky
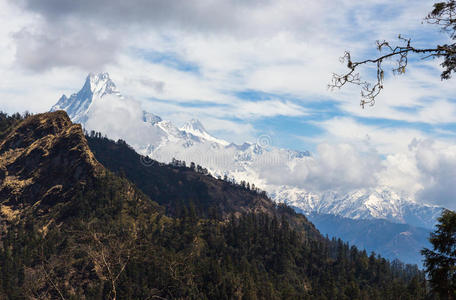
column 247, row 68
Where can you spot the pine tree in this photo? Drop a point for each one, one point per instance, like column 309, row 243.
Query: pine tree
column 440, row 262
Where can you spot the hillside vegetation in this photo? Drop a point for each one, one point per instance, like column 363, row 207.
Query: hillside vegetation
column 91, row 220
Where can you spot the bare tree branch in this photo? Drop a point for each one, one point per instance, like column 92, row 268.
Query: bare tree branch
column 110, row 254
column 443, row 15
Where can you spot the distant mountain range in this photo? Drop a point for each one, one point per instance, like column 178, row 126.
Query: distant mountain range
column 250, row 162
column 393, row 241
column 378, row 203
column 192, row 142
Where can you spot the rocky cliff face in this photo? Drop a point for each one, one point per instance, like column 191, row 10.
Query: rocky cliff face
column 43, row 160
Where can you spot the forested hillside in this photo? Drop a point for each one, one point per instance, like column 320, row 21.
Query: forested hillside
column 176, row 186
column 109, row 224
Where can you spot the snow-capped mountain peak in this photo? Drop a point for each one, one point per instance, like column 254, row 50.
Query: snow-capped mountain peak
column 100, row 84
column 375, row 203
column 77, row 106
column 151, row 118
column 194, row 127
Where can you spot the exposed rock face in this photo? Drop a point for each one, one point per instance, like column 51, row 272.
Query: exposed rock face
column 44, row 160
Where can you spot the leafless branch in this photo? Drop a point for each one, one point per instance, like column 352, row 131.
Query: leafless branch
column 369, row 91
column 110, row 254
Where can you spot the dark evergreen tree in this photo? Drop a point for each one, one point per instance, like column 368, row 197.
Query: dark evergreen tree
column 440, row 262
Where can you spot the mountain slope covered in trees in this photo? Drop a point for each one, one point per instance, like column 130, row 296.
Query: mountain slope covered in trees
column 177, row 233
column 176, row 186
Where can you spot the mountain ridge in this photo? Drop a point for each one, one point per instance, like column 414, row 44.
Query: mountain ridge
column 103, row 238
column 248, row 162
column 378, row 203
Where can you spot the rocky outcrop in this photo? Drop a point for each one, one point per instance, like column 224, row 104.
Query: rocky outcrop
column 45, row 159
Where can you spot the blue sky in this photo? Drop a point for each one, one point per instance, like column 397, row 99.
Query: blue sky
column 244, row 68
column 261, row 66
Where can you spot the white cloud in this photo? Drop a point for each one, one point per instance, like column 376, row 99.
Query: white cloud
column 385, row 139
column 437, row 163
column 121, row 119
column 343, row 167
column 404, row 160
column 58, row 46
column 425, row 172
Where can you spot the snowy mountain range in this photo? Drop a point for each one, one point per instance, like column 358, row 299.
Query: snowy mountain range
column 99, row 106
column 376, row 203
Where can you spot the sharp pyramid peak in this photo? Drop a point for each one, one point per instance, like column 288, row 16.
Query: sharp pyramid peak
column 100, row 83
column 196, row 128
column 194, row 125
column 151, row 118
column 96, row 86
column 94, row 77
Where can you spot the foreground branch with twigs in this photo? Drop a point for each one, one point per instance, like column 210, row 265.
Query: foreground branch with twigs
column 442, row 15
